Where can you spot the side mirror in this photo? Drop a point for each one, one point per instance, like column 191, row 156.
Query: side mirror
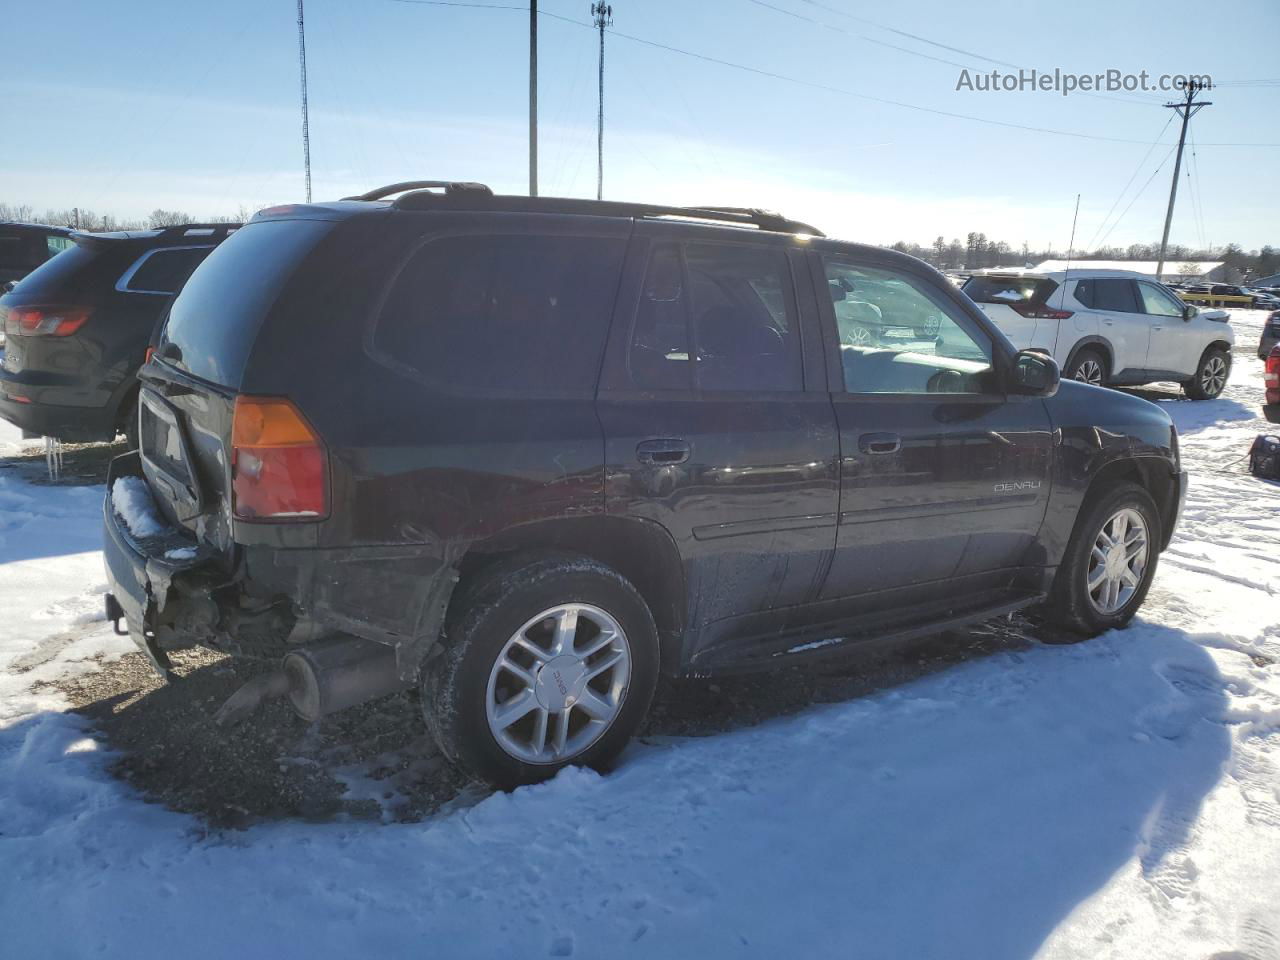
column 1189, row 311
column 837, row 291
column 1035, row 374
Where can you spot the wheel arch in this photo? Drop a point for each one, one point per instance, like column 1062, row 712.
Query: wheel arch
column 640, row 550
column 1153, row 474
column 1101, row 344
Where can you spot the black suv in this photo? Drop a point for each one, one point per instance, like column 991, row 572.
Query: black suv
column 24, row 246
column 532, row 453
column 77, row 328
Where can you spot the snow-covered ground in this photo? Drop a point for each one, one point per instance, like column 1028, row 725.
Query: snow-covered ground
column 1119, row 798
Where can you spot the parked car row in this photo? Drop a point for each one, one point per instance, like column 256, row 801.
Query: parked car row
column 1109, row 327
column 531, row 454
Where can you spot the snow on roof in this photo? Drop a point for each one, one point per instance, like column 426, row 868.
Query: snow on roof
column 1171, row 267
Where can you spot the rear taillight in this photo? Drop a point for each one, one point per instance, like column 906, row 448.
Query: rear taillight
column 279, row 466
column 1039, row 311
column 151, row 352
column 1271, row 377
column 45, row 321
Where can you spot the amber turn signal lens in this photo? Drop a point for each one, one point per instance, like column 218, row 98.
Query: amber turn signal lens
column 269, row 422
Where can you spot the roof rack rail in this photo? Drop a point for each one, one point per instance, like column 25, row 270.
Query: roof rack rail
column 182, row 228
column 764, row 219
column 747, row 216
column 450, row 187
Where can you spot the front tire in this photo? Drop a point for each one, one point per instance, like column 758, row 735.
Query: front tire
column 1211, row 375
column 550, row 661
column 1109, row 562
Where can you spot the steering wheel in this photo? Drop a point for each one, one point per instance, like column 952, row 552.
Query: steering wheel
column 946, row 381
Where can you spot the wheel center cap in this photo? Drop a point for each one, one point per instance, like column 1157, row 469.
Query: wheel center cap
column 559, row 683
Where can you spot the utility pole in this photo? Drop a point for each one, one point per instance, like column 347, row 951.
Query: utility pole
column 306, row 129
column 1187, row 109
column 533, row 98
column 603, row 14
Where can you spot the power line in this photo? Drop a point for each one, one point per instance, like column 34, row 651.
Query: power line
column 916, row 53
column 1141, row 191
column 814, row 85
column 1133, row 176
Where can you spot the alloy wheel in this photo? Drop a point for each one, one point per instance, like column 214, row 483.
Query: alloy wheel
column 1117, row 561
column 859, row 336
column 1214, row 375
column 1089, row 371
column 558, row 683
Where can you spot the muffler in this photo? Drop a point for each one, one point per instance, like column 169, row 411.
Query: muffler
column 328, row 677
column 320, row 679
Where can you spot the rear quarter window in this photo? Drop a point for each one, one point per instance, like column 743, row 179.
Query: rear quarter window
column 216, row 318
column 163, row 271
column 502, row 315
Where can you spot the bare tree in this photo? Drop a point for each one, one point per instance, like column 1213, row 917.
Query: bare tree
column 168, row 218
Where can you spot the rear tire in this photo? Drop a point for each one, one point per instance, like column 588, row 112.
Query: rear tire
column 1088, row 366
column 1212, row 373
column 1075, row 603
column 522, row 639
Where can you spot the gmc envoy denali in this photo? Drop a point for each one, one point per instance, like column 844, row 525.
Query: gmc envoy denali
column 531, row 454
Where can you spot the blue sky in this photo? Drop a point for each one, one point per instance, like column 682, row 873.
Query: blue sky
column 129, row 106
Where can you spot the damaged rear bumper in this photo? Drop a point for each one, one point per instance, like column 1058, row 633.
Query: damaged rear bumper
column 263, row 601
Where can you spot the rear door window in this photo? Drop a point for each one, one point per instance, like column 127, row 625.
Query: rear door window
column 502, row 315
column 734, row 303
column 1116, row 296
column 162, row 271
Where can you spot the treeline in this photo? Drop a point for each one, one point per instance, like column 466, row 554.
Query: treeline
column 978, row 251
column 80, row 218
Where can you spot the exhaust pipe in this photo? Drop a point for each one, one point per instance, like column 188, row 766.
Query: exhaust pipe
column 333, row 676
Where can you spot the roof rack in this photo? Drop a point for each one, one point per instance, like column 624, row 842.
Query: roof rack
column 157, row 233
column 450, row 188
column 424, row 194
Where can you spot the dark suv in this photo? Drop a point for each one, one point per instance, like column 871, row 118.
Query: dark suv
column 24, row 246
column 77, row 328
column 533, row 453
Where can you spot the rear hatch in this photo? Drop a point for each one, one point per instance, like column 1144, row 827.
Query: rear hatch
column 192, row 383
column 46, row 315
column 1007, row 297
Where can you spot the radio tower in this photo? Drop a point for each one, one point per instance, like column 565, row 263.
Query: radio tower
column 306, row 129
column 603, row 14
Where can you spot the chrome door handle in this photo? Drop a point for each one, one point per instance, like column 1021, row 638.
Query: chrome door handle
column 663, row 452
column 879, row 443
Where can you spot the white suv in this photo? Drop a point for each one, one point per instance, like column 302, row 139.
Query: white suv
column 1109, row 327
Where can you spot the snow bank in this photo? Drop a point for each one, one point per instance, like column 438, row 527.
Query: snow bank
column 131, row 498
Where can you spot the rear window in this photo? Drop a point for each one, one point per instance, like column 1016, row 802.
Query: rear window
column 502, row 314
column 163, row 271
column 215, row 319
column 1009, row 289
column 85, row 268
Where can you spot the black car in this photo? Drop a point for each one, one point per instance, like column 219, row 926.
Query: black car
column 533, row 453
column 77, row 328
column 24, row 246
column 1270, row 335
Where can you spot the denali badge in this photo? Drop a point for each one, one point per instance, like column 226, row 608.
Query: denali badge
column 1017, row 485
